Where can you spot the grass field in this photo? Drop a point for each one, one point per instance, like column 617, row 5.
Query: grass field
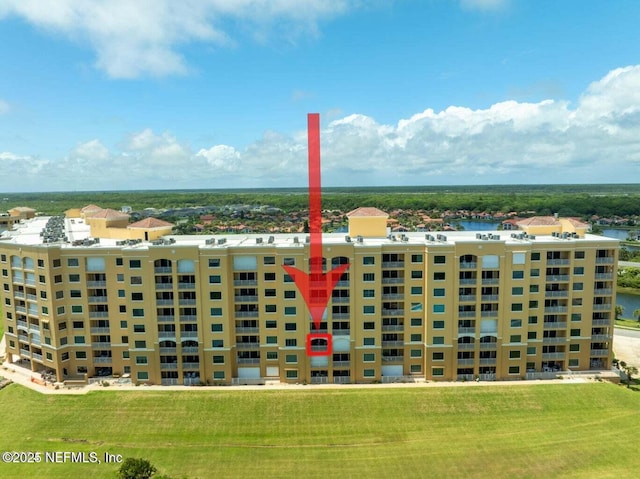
column 536, row 431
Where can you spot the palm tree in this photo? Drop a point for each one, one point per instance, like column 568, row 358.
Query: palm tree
column 629, row 371
column 619, row 311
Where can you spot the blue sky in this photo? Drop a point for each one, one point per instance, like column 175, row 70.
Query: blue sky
column 214, row 94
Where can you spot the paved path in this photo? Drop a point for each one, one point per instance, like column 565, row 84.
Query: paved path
column 626, row 346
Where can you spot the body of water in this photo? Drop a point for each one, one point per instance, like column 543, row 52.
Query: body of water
column 630, row 302
column 470, row 225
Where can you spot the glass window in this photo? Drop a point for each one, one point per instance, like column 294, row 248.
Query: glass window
column 269, row 308
column 290, row 310
column 368, row 260
column 438, row 325
column 218, row 359
column 268, row 260
column 272, row 339
column 135, row 264
column 515, row 338
column 214, row 295
column 369, row 373
column 514, row 369
column 437, row 356
column 216, row 328
column 517, row 274
column 578, row 270
column 437, row 292
column 369, row 341
column 368, row 357
column 439, row 276
column 416, row 258
column 368, row 309
column 72, row 262
column 514, row 354
column 290, row 326
column 416, row 353
column 436, row 372
column 535, row 256
column 517, row 291
column 368, row 277
column 438, row 340
column 271, row 355
column 416, row 274
column 215, row 279
column 438, row 308
column 217, row 343
column 369, row 293
column 416, row 321
column 214, row 262
column 368, row 325
column 516, row 323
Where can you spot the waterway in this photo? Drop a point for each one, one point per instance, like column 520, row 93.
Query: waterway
column 630, row 302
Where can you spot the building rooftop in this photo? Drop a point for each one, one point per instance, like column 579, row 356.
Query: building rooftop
column 150, row 223
column 367, row 211
column 539, row 221
column 27, row 232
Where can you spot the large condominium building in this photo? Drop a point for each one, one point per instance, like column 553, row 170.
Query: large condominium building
column 95, row 296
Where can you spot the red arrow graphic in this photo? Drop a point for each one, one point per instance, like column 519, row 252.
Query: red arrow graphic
column 316, row 287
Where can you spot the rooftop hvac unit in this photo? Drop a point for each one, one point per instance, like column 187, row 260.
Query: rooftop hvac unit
column 295, row 240
column 479, row 235
column 532, row 237
column 360, row 239
column 347, row 239
column 258, row 240
column 307, row 239
column 209, row 241
column 271, row 240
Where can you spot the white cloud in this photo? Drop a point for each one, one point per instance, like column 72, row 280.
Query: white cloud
column 143, row 37
column 594, row 141
column 4, row 107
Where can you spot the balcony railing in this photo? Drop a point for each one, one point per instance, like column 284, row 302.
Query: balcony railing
column 487, row 361
column 341, row 364
column 392, row 297
column 341, row 315
column 599, row 353
column 246, row 314
column 164, row 302
column 466, row 346
column 393, row 327
column 166, row 319
column 186, row 302
column 167, row 334
column 601, row 322
column 489, row 314
column 342, row 284
column 341, row 332
column 188, row 318
column 96, row 284
column 248, row 360
column 557, row 278
column 489, row 297
column 19, row 295
column 168, row 350
column 393, row 264
column 169, row 366
column 188, row 334
column 100, row 330
column 392, row 344
column 245, row 282
column 602, row 307
column 186, row 285
column 466, row 314
column 602, row 291
column 243, row 330
column 467, row 330
column 392, row 359
column 101, row 345
column 554, row 325
column 248, row 345
column 558, row 261
column 467, row 280
column 164, row 285
column 97, row 299
column 555, row 309
column 102, row 360
column 490, row 281
column 549, row 356
column 604, row 276
column 488, row 346
column 169, row 382
column 392, row 280
column 556, row 294
column 469, row 265
column 190, row 349
column 190, row 366
column 555, row 340
column 32, row 297
column 341, row 379
column 341, row 299
column 162, row 269
column 466, row 362
column 245, row 299
column 36, row 356
column 467, row 297
column 600, row 337
column 98, row 314
column 604, row 260
column 22, row 324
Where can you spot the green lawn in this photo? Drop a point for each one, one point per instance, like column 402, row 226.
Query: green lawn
column 628, row 323
column 569, row 431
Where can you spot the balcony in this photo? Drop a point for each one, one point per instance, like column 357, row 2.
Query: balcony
column 599, row 353
column 101, row 345
column 188, row 318
column 164, row 302
column 168, row 366
column 600, row 337
column 98, row 314
column 557, row 278
column 488, row 346
column 490, row 281
column 19, row 295
column 169, row 382
column 552, row 356
column 167, row 334
column 168, row 350
column 466, row 362
column 555, row 309
column 393, row 327
column 341, row 315
column 166, row 319
column 190, row 349
column 468, row 281
column 186, row 285
column 341, row 332
column 187, row 302
column 22, row 324
column 342, row 284
column 392, row 297
column 32, row 297
column 249, row 346
column 162, row 269
column 554, row 325
column 466, row 346
column 604, row 260
column 162, row 286
column 245, row 299
column 469, row 265
column 558, row 261
column 392, row 280
column 604, row 276
column 188, row 334
column 603, row 291
column 602, row 307
column 467, row 298
column 341, row 300
column 393, row 264
column 248, row 360
column 392, row 344
column 21, row 309
column 97, row 299
column 242, row 330
column 596, row 322
column 246, row 314
column 36, row 356
column 190, row 366
column 488, row 361
column 466, row 314
column 35, row 340
column 554, row 340
column 341, row 364
column 556, row 294
column 96, row 284
column 489, row 297
column 341, row 379
column 100, row 330
column 489, row 314
column 102, row 360
column 392, row 359
column 245, row 282
column 467, row 330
